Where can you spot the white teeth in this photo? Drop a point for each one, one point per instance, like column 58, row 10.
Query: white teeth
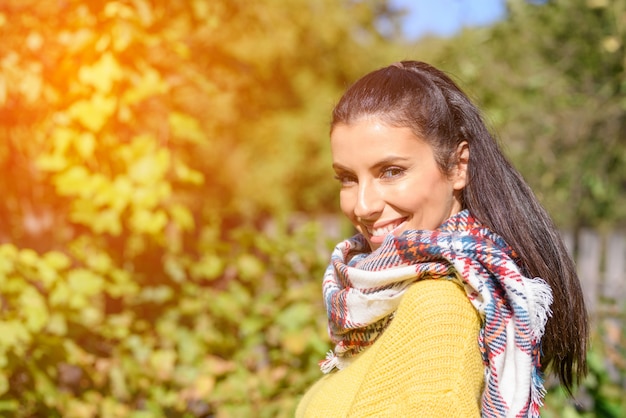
column 383, row 231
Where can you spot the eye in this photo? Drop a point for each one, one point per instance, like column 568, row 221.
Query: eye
column 346, row 179
column 392, row 172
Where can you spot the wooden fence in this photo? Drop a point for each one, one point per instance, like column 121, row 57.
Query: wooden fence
column 601, row 262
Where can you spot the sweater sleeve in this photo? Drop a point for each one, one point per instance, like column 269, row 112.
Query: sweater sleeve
column 427, row 363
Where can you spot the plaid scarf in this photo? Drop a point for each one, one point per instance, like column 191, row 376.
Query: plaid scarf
column 363, row 289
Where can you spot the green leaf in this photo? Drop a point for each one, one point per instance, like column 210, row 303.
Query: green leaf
column 34, row 308
column 13, row 333
column 7, row 405
column 209, row 267
column 250, row 267
column 162, row 362
column 295, row 316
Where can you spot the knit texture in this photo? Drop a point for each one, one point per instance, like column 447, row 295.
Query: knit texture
column 363, row 290
column 426, row 364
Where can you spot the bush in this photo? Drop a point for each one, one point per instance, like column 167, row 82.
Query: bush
column 238, row 333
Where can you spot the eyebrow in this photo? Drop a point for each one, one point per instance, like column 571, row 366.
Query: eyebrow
column 384, row 162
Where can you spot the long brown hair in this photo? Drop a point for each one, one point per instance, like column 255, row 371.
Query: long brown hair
column 418, row 96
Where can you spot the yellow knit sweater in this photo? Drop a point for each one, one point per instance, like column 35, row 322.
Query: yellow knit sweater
column 426, row 364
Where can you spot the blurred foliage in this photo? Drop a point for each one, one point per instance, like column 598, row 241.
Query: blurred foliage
column 156, row 156
column 552, row 81
column 142, row 145
column 81, row 337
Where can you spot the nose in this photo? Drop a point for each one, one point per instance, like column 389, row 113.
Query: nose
column 369, row 203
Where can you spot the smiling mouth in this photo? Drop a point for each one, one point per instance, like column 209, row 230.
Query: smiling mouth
column 384, row 230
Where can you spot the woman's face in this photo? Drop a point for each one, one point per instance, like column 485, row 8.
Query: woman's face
column 390, row 181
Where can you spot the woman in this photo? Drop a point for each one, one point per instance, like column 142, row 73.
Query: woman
column 457, row 293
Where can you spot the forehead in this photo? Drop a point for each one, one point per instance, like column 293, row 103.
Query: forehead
column 368, row 140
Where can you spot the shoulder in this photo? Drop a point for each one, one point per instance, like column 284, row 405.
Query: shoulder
column 426, row 363
column 437, row 299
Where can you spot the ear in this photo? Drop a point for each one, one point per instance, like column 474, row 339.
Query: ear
column 459, row 173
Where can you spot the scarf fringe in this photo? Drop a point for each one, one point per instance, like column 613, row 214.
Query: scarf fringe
column 541, row 299
column 329, row 363
column 537, row 392
column 333, row 361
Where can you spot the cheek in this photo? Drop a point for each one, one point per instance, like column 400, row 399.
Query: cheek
column 425, row 199
column 346, row 203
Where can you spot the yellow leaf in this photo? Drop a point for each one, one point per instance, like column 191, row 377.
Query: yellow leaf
column 6, row 267
column 61, row 139
column 147, row 83
column 182, row 217
column 28, row 257
column 72, row 181
column 185, row 126
column 85, row 282
column 187, row 174
column 34, row 41
column 31, row 84
column 162, row 362
column 91, row 316
column 85, row 145
column 611, row 44
column 93, row 113
column 8, row 250
column 203, row 387
column 80, row 409
column 150, row 168
column 105, row 221
column 100, row 262
column 116, row 9
column 51, row 162
column 174, row 269
column 59, row 295
column 57, row 260
column 103, row 74
column 3, row 90
column 145, row 221
column 122, row 190
column 295, row 342
column 57, row 324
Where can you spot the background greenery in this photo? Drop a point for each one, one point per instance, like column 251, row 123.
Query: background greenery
column 168, row 205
